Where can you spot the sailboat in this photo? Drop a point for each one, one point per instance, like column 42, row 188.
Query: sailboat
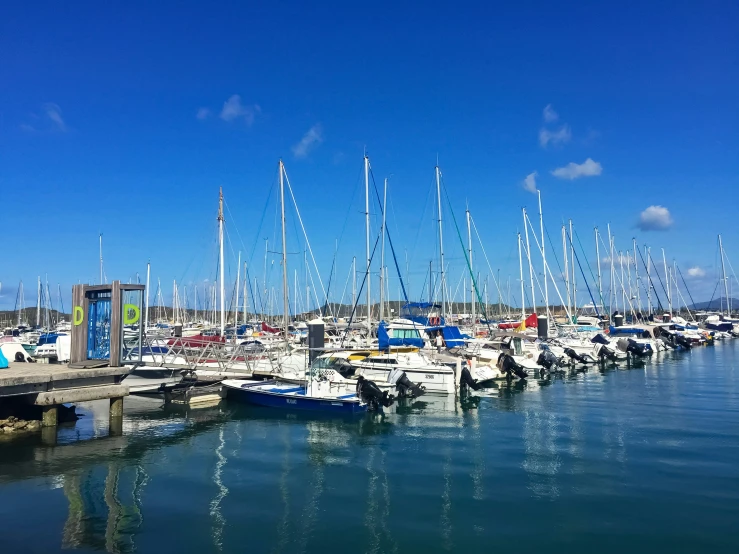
column 316, row 395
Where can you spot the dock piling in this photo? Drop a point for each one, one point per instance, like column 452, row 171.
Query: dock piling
column 49, row 416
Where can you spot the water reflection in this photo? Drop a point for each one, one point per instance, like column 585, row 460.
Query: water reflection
column 430, row 474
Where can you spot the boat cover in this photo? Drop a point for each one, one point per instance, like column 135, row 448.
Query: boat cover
column 385, row 342
column 452, row 337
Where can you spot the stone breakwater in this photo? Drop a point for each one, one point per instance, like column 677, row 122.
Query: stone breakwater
column 15, row 425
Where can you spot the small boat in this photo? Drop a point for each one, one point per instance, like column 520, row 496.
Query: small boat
column 315, row 396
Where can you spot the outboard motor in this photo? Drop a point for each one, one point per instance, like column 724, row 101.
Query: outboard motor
column 575, row 357
column 466, row 381
column 600, row 338
column 508, row 365
column 683, row 341
column 370, row 393
column 404, row 386
column 639, row 348
column 605, row 353
column 548, row 360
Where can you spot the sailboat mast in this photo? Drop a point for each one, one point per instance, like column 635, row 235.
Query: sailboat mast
column 567, row 270
column 367, row 237
column 726, row 281
column 38, row 303
column 285, row 299
column 220, row 242
column 441, row 241
column 574, row 278
column 148, row 277
column 528, row 254
column 520, row 271
column 382, row 255
column 101, row 258
column 667, row 280
column 472, row 275
column 636, row 280
column 236, row 303
column 543, row 257
column 354, row 282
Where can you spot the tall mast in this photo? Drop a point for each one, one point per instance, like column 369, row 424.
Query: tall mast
column 354, row 282
column 543, row 257
column 520, row 271
column 612, row 292
column 472, row 275
column 382, row 255
column 220, row 242
column 567, row 271
column 101, row 258
column 38, row 303
column 146, row 313
column 636, row 279
column 236, row 303
column 667, row 280
column 367, row 233
column 600, row 282
column 528, row 254
column 196, row 301
column 441, row 241
column 246, row 297
column 285, row 299
column 726, row 281
column 574, row 278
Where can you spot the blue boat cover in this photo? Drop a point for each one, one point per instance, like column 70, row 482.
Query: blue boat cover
column 3, row 361
column 452, row 337
column 385, row 342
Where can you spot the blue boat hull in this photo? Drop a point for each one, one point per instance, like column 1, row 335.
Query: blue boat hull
column 292, row 402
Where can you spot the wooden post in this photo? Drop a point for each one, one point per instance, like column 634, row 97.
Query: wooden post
column 116, row 407
column 49, row 416
column 78, row 351
column 116, row 324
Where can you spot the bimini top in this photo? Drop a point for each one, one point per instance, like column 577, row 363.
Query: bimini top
column 385, row 342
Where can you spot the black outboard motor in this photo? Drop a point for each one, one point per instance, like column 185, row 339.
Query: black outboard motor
column 575, row 357
column 370, row 393
column 683, row 341
column 606, row 353
column 548, row 360
column 508, row 365
column 639, row 348
column 404, row 386
column 466, row 381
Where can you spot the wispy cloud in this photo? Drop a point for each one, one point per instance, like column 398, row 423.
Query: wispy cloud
column 588, row 168
column 554, row 138
column 549, row 114
column 312, row 138
column 50, row 120
column 696, row 272
column 655, row 218
column 203, row 113
column 618, row 259
column 233, row 109
column 529, row 183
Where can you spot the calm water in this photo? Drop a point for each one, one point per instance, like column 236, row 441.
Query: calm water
column 639, row 460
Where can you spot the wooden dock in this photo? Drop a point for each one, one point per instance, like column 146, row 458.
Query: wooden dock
column 50, row 385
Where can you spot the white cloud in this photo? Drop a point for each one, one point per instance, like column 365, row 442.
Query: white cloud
column 50, row 120
column 54, row 113
column 234, row 109
column 203, row 113
column 696, row 272
column 588, row 168
column 310, row 140
column 620, row 258
column 529, row 183
column 555, row 138
column 655, row 218
column 549, row 114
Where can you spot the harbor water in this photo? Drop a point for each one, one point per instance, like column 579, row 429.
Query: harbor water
column 642, row 458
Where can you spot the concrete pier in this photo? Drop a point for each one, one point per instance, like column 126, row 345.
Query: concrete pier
column 49, row 385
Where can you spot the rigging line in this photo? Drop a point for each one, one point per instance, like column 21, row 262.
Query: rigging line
column 419, row 227
column 686, row 286
column 466, row 257
column 595, row 280
column 649, row 278
column 359, row 295
column 708, row 308
column 389, row 239
column 658, row 277
column 577, row 259
column 482, row 247
column 346, row 284
column 305, row 234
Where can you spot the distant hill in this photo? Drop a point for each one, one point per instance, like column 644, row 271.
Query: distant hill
column 715, row 304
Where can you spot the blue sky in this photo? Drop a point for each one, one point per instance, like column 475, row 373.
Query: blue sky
column 125, row 118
